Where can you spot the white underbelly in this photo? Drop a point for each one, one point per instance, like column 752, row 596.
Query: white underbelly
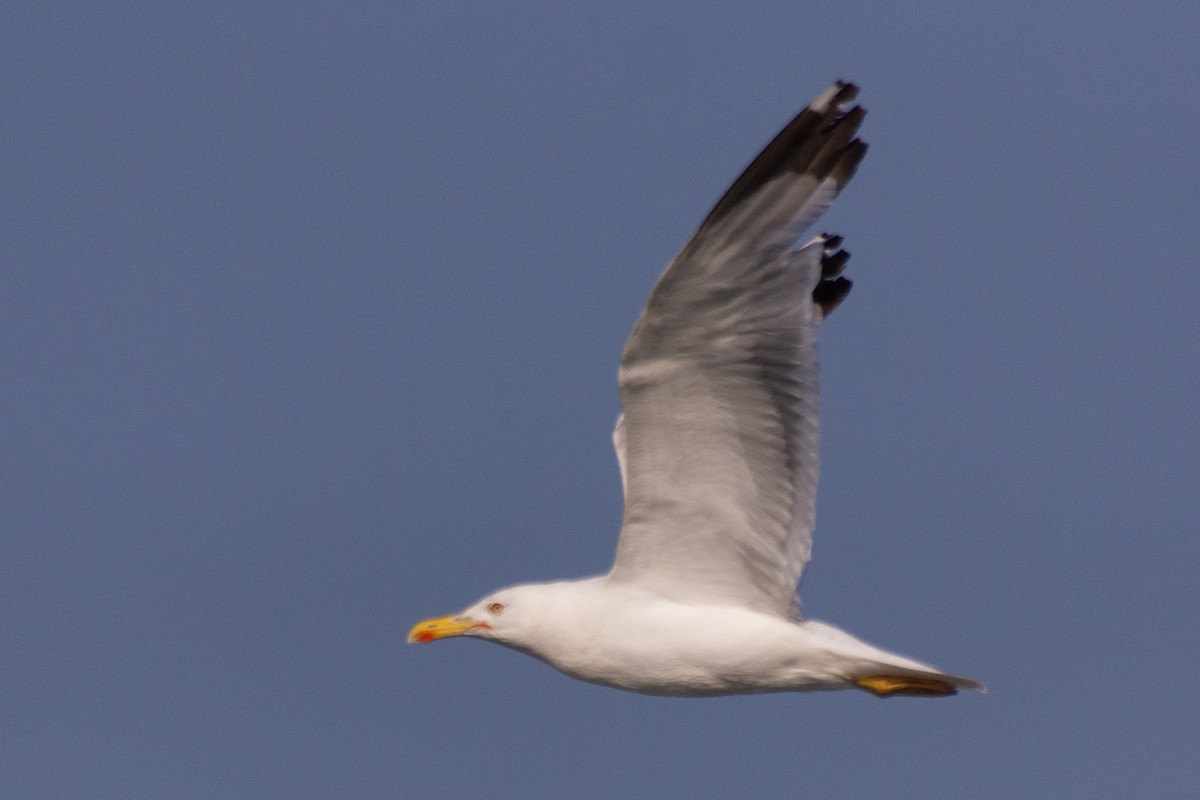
column 683, row 650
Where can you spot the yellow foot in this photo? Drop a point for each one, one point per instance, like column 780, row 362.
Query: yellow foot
column 888, row 685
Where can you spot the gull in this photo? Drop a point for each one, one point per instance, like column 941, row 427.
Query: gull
column 717, row 448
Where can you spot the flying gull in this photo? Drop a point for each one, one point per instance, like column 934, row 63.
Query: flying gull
column 717, row 446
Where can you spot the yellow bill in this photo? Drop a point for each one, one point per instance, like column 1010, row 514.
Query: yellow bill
column 441, row 628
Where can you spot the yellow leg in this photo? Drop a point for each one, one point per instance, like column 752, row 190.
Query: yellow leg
column 888, row 685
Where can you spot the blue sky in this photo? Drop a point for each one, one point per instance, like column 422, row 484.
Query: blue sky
column 309, row 322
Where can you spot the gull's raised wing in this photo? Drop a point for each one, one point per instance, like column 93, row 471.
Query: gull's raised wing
column 719, row 379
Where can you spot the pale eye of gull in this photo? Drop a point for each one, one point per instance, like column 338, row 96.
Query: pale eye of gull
column 495, row 608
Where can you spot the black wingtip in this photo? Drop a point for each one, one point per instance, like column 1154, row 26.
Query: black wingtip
column 819, row 140
column 832, row 288
column 830, row 294
column 846, row 91
column 847, row 161
column 832, row 241
column 833, row 264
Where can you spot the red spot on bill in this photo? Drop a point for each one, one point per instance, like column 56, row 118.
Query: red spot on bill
column 424, row 637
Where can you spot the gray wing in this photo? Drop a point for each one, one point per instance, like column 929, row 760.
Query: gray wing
column 718, row 439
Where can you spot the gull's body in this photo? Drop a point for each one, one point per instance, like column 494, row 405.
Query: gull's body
column 717, row 445
column 623, row 636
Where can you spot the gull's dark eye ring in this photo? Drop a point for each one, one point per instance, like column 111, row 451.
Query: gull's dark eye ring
column 495, row 608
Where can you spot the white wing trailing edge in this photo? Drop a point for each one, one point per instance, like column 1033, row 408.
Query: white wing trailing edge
column 619, row 447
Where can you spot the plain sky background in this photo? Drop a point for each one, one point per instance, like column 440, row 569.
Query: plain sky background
column 309, row 323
